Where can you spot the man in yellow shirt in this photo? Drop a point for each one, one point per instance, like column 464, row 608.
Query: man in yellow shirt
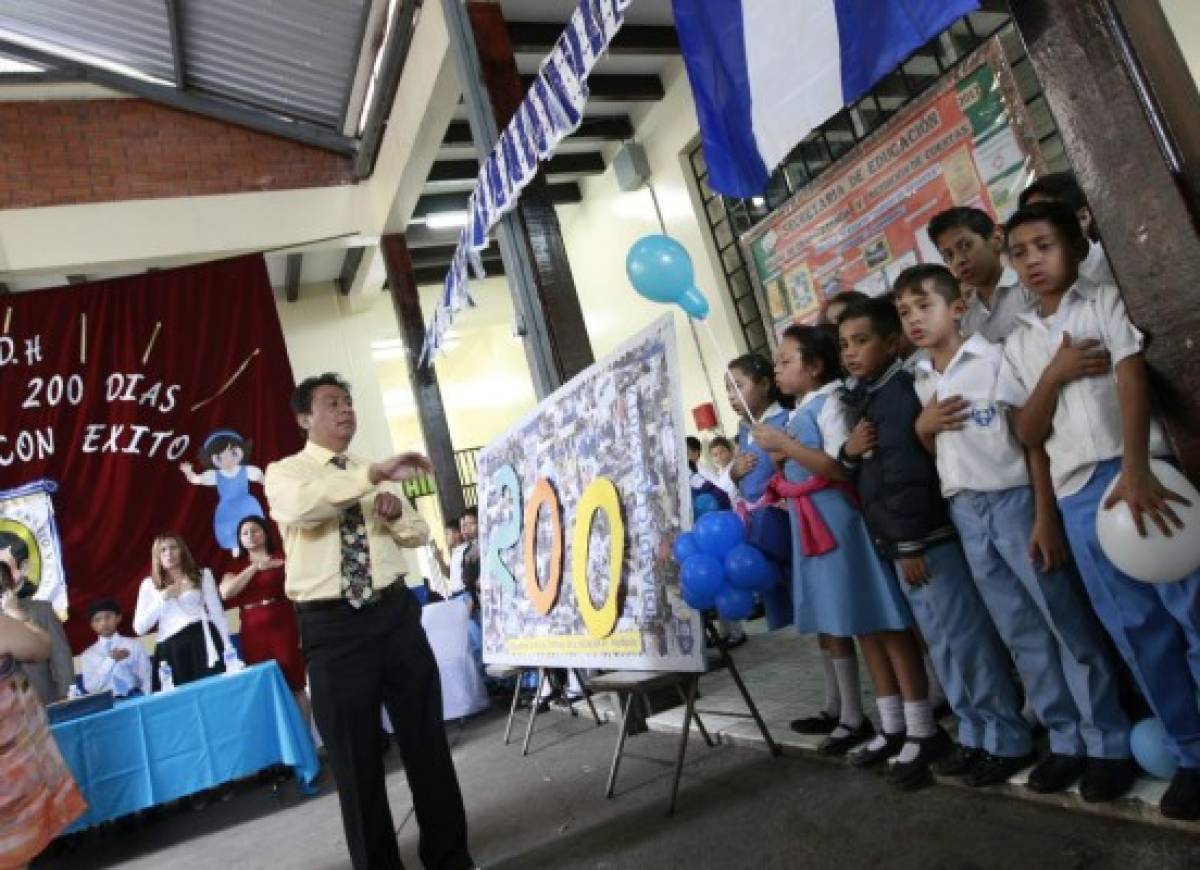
column 344, row 522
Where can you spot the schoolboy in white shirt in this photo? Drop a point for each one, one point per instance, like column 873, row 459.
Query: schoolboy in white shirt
column 114, row 663
column 1076, row 371
column 1002, row 503
column 972, row 247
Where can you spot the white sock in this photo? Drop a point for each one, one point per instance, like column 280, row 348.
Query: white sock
column 833, row 698
column 908, row 753
column 891, row 713
column 937, row 695
column 918, row 719
column 877, row 743
column 846, row 671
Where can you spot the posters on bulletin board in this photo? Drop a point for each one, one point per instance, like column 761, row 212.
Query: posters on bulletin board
column 967, row 141
column 579, row 503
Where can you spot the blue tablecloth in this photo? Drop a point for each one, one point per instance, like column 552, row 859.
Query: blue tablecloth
column 151, row 750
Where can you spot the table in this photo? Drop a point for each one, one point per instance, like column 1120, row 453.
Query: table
column 150, row 750
column 446, row 625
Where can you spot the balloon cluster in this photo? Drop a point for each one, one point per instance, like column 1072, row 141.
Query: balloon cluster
column 719, row 569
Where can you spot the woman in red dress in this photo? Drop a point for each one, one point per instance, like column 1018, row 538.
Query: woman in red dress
column 269, row 629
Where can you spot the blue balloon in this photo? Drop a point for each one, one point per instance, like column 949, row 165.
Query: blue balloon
column 719, row 532
column 747, row 568
column 1148, row 742
column 703, row 577
column 705, row 503
column 660, row 269
column 735, row 603
column 684, row 546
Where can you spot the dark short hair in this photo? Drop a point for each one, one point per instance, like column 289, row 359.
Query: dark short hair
column 219, row 442
column 472, row 512
column 104, row 605
column 693, row 443
column 912, row 280
column 885, row 321
column 963, row 217
column 303, row 394
column 1056, row 187
column 1059, row 214
column 10, row 541
column 452, row 523
column 721, row 441
column 846, row 297
column 262, row 524
column 818, row 343
column 6, row 577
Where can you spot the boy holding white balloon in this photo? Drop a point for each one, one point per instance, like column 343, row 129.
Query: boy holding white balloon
column 1002, row 503
column 1075, row 370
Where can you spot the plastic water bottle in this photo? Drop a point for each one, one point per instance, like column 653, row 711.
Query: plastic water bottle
column 232, row 663
column 74, row 692
column 165, row 681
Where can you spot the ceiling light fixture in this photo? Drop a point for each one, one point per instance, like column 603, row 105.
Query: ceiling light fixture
column 446, row 220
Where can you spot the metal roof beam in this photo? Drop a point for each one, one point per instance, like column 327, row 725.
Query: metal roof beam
column 350, row 264
column 291, row 280
column 434, row 203
column 175, row 26
column 597, row 129
column 590, row 163
column 191, row 101
column 618, row 88
column 539, row 37
column 394, row 55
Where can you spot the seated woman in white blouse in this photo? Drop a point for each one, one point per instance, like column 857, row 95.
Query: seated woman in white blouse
column 183, row 602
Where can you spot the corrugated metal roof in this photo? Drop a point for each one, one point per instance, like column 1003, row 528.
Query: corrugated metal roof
column 132, row 33
column 298, row 57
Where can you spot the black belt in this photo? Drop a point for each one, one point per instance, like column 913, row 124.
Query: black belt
column 324, row 604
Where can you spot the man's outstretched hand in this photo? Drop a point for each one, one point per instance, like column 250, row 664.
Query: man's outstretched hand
column 399, row 468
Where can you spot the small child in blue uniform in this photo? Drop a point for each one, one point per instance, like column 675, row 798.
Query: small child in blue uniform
column 1003, row 506
column 907, row 516
column 841, row 586
column 1076, row 372
column 752, row 469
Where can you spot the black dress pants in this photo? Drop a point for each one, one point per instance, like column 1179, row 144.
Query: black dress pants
column 358, row 659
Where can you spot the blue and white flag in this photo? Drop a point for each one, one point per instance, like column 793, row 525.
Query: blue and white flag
column 764, row 73
column 551, row 111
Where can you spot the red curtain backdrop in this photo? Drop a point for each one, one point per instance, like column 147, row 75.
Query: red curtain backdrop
column 108, row 387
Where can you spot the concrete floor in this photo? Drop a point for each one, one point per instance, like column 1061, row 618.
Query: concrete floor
column 738, row 808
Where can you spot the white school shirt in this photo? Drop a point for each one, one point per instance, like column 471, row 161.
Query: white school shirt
column 983, row 456
column 1086, row 429
column 1010, row 300
column 833, row 419
column 172, row 615
column 101, row 673
column 1095, row 266
column 455, row 584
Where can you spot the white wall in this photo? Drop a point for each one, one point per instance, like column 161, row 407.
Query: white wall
column 600, row 230
column 1184, row 17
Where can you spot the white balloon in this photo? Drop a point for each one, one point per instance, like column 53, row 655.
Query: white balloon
column 1155, row 558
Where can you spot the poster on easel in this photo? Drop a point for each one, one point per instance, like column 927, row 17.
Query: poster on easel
column 968, row 141
column 579, row 503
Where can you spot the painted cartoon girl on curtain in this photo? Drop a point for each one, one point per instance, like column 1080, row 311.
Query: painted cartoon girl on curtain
column 223, row 453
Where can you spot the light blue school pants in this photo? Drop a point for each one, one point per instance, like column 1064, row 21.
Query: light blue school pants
column 1047, row 624
column 967, row 654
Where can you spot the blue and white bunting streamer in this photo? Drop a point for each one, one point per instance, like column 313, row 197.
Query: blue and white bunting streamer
column 551, row 111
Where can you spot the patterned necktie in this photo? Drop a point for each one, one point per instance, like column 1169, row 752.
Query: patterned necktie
column 356, row 555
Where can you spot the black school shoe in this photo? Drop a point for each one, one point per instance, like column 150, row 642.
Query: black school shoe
column 1182, row 799
column 960, row 761
column 822, row 723
column 1107, row 779
column 996, row 769
column 867, row 757
column 911, row 775
column 1056, row 773
column 841, row 745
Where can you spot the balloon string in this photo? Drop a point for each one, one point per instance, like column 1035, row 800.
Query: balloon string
column 713, row 338
column 225, row 386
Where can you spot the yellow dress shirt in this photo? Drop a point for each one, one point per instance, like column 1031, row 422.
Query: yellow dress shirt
column 306, row 493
